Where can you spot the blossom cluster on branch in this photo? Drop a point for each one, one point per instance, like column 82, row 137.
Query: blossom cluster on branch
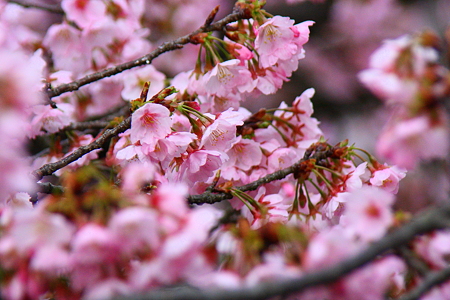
column 139, row 182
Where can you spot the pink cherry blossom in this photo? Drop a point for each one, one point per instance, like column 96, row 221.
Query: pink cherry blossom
column 201, row 165
column 277, row 209
column 273, row 269
column 388, row 178
column 49, row 120
column 94, row 244
column 150, row 123
column 368, row 212
column 104, row 96
column 435, row 248
column 170, row 199
column 134, row 82
column 20, row 200
column 67, row 48
column 244, row 154
column 388, row 86
column 84, row 12
column 282, row 158
column 36, row 228
column 277, row 39
column 405, row 142
column 136, row 228
column 441, row 292
column 220, row 136
column 52, row 260
column 373, row 281
column 227, row 77
column 82, row 141
column 174, row 145
column 328, row 247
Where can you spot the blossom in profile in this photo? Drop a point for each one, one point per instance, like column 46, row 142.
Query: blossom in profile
column 388, row 178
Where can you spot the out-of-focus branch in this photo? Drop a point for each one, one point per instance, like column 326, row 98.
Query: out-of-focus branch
column 433, row 279
column 434, row 219
column 413, row 261
column 50, row 8
column 50, row 168
column 99, row 124
column 238, row 14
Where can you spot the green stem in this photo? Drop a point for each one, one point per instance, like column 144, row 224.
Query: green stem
column 327, row 182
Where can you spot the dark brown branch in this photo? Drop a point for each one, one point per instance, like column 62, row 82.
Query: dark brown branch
column 146, row 59
column 434, row 219
column 431, row 280
column 50, row 168
column 50, row 8
column 49, row 188
column 210, row 197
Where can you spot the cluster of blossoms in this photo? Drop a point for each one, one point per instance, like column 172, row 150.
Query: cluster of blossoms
column 407, row 75
column 128, row 218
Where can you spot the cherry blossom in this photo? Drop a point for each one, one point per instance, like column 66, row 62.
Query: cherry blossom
column 278, row 39
column 83, row 12
column 368, row 212
column 405, row 142
column 150, row 123
column 50, row 120
column 228, row 77
column 141, row 212
column 134, row 82
column 388, row 178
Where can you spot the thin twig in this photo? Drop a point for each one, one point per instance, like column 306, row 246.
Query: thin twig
column 49, row 188
column 50, row 8
column 437, row 218
column 146, row 59
column 50, row 168
column 210, row 197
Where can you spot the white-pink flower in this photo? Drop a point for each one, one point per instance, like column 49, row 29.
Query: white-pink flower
column 228, row 77
column 134, row 82
column 328, row 247
column 136, row 228
column 244, row 154
column 67, row 48
column 388, row 178
column 405, row 142
column 435, row 249
column 49, row 120
column 220, row 136
column 84, row 12
column 201, row 165
column 278, row 39
column 94, row 245
column 368, row 212
column 150, row 123
column 373, row 281
column 36, row 228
